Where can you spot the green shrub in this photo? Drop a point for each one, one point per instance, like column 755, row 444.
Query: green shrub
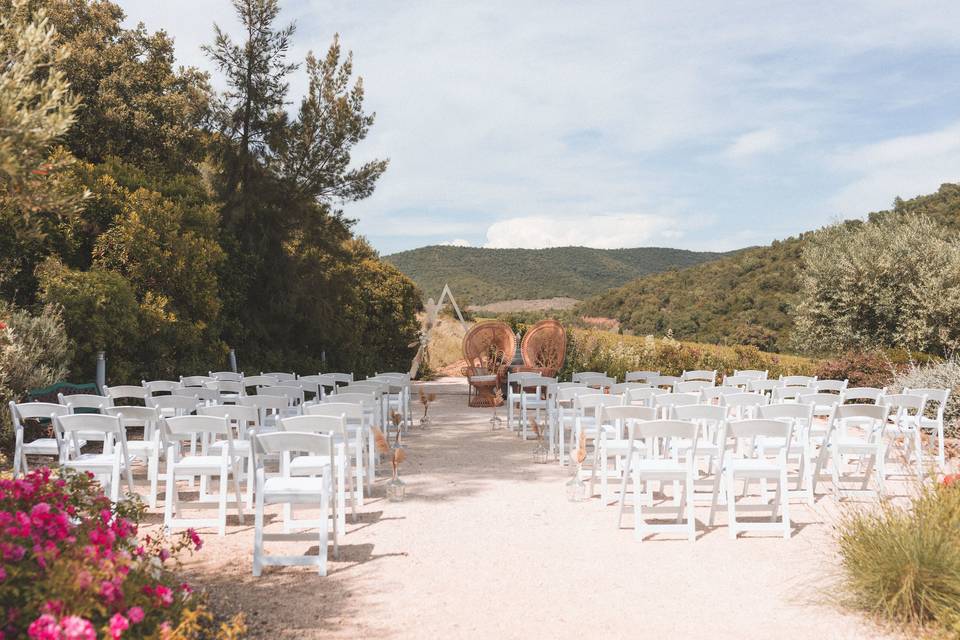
column 936, row 375
column 34, row 352
column 593, row 350
column 862, row 369
column 903, row 563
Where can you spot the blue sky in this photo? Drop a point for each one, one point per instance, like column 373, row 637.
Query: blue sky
column 701, row 125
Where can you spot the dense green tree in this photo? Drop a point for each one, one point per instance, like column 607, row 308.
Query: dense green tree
column 891, row 282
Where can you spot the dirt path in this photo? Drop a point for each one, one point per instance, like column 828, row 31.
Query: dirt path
column 486, row 546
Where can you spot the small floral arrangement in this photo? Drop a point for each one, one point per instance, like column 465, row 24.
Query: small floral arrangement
column 396, row 454
column 73, row 568
column 426, row 399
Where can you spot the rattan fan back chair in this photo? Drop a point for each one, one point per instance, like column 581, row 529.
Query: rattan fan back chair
column 544, row 347
column 488, row 348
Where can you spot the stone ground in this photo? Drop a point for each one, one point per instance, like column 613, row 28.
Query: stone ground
column 487, row 546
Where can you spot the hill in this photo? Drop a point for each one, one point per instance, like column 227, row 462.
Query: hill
column 743, row 298
column 481, row 276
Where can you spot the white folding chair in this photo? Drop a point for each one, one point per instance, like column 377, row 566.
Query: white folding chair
column 579, row 375
column 714, row 395
column 194, row 381
column 203, row 395
column 651, row 462
column 615, row 443
column 336, row 428
column 700, row 374
column 692, row 386
column 359, row 438
column 271, row 409
column 666, row 382
column 640, row 376
column 149, row 448
column 281, row 376
column 903, row 425
column 228, row 391
column 710, row 418
column 752, row 374
column 798, row 381
column 665, row 402
column 223, row 465
column 868, row 445
column 764, row 386
column 154, row 387
column 226, row 376
column 514, row 394
column 126, row 392
column 801, row 448
column 743, row 405
column 935, row 422
column 534, row 396
column 247, row 421
column 286, row 490
column 566, row 414
column 742, row 460
column 88, row 403
column 829, row 386
column 42, row 412
column 252, row 382
column 741, row 382
column 108, row 466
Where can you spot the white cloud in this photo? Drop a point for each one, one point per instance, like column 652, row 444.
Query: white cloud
column 904, row 166
column 598, row 231
column 755, row 143
column 456, row 242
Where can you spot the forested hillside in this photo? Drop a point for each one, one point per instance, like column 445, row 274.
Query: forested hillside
column 489, row 275
column 744, row 298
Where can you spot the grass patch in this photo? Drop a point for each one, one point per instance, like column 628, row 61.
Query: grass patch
column 902, row 563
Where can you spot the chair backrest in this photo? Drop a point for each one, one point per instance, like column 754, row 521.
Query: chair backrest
column 692, row 386
column 786, row 394
column 336, row 425
column 598, row 381
column 194, row 381
column 246, row 417
column 664, row 430
column 939, row 396
column 281, row 376
column 36, row 411
column 829, row 386
column 875, row 416
column 628, row 412
column 666, row 402
column 160, row 386
column 700, row 413
column 742, row 405
column 622, row 388
column 126, row 392
column 130, row 416
column 664, row 381
column 181, row 405
column 590, row 403
column 227, row 386
column 823, row 403
column 266, row 402
column 579, row 375
column 640, row 376
column 365, row 386
column 905, row 404
column 567, row 394
column 752, row 374
column 742, row 382
column 86, row 401
column 98, row 422
column 340, row 378
column 515, row 378
column 857, row 395
column 762, row 385
column 352, row 410
column 259, row 381
column 787, row 411
column 287, row 442
column 746, row 431
column 700, row 374
column 538, row 382
column 202, row 394
column 368, row 400
column 797, row 381
column 294, row 395
column 710, row 395
column 645, row 396
column 226, row 376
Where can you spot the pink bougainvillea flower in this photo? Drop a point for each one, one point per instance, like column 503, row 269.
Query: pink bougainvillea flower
column 951, row 480
column 135, row 614
column 77, row 628
column 45, row 627
column 195, row 538
column 118, row 624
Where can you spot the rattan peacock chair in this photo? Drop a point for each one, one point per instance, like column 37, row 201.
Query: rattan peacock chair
column 544, row 347
column 488, row 348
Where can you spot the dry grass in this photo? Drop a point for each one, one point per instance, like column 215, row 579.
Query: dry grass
column 903, row 563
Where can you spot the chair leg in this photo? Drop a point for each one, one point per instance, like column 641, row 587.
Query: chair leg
column 169, row 497
column 222, row 502
column 258, row 535
column 785, row 505
column 153, row 472
column 324, row 527
column 691, row 512
column 731, row 511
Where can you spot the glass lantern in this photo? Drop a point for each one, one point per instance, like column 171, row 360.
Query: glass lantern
column 576, row 488
column 396, row 490
column 425, row 422
column 541, row 454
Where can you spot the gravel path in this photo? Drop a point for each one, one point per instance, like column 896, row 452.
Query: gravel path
column 487, row 546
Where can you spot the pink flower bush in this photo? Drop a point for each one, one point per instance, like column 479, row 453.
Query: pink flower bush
column 72, row 567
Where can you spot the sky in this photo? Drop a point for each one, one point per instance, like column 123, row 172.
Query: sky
column 700, row 125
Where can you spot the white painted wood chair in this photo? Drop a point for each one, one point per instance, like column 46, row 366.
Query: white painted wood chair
column 110, row 467
column 126, row 392
column 246, row 420
column 700, row 374
column 288, row 491
column 640, row 376
column 934, row 423
column 867, row 446
column 150, row 448
column 42, row 412
column 903, row 428
column 802, row 450
column 281, row 376
column 359, row 437
column 223, row 464
column 226, row 376
column 752, row 374
column 615, row 444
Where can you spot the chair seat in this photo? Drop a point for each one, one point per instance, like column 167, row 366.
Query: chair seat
column 279, row 487
column 660, row 466
column 754, row 467
column 44, row 447
column 198, row 463
column 141, row 446
column 309, row 465
column 93, row 460
column 240, row 447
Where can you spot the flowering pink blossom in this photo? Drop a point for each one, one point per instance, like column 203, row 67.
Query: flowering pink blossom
column 195, row 538
column 164, row 595
column 118, row 624
column 45, row 627
column 135, row 614
column 77, row 628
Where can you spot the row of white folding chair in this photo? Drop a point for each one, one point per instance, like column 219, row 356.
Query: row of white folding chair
column 398, row 394
column 361, row 410
column 654, row 450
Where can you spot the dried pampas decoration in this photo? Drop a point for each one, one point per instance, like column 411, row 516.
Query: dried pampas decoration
column 396, row 455
column 581, row 453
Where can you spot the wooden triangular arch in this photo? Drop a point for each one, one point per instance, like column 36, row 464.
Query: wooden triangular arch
column 443, row 296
